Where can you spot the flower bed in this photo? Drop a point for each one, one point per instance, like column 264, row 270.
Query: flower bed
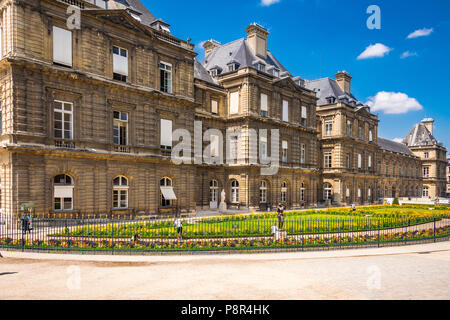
column 223, row 244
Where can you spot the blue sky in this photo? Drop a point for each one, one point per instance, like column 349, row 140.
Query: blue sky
column 316, row 38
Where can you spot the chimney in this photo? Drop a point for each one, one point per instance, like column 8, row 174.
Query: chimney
column 429, row 124
column 210, row 45
column 257, row 39
column 344, row 81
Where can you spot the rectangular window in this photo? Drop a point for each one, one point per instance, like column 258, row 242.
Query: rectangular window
column 284, row 151
column 63, row 120
column 120, row 130
column 234, row 103
column 166, row 77
column 303, row 153
column 214, row 146
column 304, row 116
column 120, row 198
column 263, row 148
column 214, row 106
column 348, row 161
column 370, row 135
column 327, row 160
column 120, row 63
column 166, row 134
column 426, row 172
column 328, row 128
column 285, row 111
column 1, row 125
column 369, row 162
column 234, row 148
column 426, row 155
column 360, row 132
column 264, row 105
column 100, row 3
column 349, row 128
column 62, row 46
column 359, row 161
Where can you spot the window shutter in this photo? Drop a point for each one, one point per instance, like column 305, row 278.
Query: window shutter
column 234, row 102
column 62, row 46
column 166, row 132
column 120, row 64
column 264, row 102
column 285, row 111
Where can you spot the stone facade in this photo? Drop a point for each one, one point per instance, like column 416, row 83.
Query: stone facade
column 84, row 138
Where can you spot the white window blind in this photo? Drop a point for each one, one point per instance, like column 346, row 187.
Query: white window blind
column 285, row 144
column 120, row 61
column 63, row 192
column 359, row 161
column 62, row 46
column 214, row 146
column 285, row 111
column 304, row 115
column 234, row 102
column 214, row 106
column 264, row 102
column 166, row 133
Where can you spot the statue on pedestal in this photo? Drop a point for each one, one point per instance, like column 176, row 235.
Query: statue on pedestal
column 223, row 205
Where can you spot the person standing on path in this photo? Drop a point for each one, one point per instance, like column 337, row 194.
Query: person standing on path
column 179, row 226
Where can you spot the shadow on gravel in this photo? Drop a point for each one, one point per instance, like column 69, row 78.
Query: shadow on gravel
column 7, row 273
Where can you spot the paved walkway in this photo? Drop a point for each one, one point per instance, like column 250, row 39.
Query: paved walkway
column 411, row 272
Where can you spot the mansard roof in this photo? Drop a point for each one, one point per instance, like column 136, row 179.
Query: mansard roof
column 239, row 51
column 202, row 74
column 135, row 5
column 393, row 146
column 328, row 88
column 420, row 136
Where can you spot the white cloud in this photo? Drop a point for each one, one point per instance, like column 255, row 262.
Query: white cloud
column 393, row 103
column 378, row 50
column 421, row 33
column 267, row 3
column 408, row 54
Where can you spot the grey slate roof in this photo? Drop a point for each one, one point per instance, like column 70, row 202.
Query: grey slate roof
column 420, row 136
column 326, row 88
column 393, row 146
column 146, row 16
column 201, row 73
column 239, row 51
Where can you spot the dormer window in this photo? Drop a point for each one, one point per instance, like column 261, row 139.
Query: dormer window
column 276, row 73
column 100, row 3
column 161, row 26
column 215, row 71
column 233, row 67
column 261, row 67
column 135, row 15
column 331, row 100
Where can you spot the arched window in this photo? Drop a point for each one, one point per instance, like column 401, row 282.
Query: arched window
column 234, row 191
column 347, row 192
column 369, row 193
column 165, row 183
column 63, row 192
column 327, row 191
column 120, row 193
column 302, row 192
column 359, row 192
column 214, row 191
column 263, row 192
column 425, row 192
column 284, row 190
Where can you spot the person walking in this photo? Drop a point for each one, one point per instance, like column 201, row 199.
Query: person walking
column 280, row 211
column 179, row 226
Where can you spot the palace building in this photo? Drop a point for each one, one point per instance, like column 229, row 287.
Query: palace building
column 89, row 116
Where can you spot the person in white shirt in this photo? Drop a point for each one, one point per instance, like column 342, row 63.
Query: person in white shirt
column 179, row 226
column 274, row 231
